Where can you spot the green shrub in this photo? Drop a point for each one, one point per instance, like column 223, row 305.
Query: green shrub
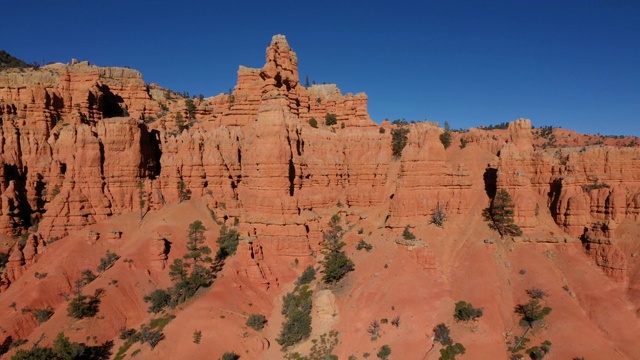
column 539, row 352
column 500, row 214
column 408, row 235
column 384, row 352
column 159, row 299
column 445, row 139
column 191, row 109
column 83, row 306
column 230, row 356
column 42, row 315
column 330, row 119
column 532, row 312
column 364, row 245
column 464, row 311
column 228, row 241
column 450, row 351
column 399, row 140
column 183, row 192
column 442, row 334
column 296, row 307
column 256, row 321
column 107, row 261
column 4, row 259
column 308, row 275
column 313, row 122
column 197, row 336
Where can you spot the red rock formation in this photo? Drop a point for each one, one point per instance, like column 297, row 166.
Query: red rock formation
column 605, row 252
column 254, row 152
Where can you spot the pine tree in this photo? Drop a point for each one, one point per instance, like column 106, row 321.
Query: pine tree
column 500, row 215
column 336, row 262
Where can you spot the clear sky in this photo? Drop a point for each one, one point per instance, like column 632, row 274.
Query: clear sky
column 574, row 64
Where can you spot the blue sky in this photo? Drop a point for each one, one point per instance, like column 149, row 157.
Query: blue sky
column 574, row 64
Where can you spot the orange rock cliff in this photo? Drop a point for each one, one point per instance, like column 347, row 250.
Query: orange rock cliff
column 83, row 144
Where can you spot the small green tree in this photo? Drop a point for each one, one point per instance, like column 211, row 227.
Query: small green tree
column 228, row 241
column 84, row 306
column 330, row 119
column 407, row 234
column 399, row 140
column 384, row 352
column 442, row 334
column 465, row 311
column 107, row 261
column 183, row 192
column 336, row 262
column 450, row 351
column 256, row 321
column 180, row 123
column 539, row 352
column 500, row 213
column 296, row 307
column 159, row 299
column 191, row 109
column 197, row 336
column 308, row 275
column 532, row 312
column 445, row 139
column 313, row 122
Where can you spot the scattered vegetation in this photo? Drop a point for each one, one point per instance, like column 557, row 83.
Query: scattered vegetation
column 63, row 349
column 399, row 140
column 500, row 213
column 150, row 334
column 256, row 321
column 465, row 311
column 296, row 307
column 42, row 315
column 7, row 61
column 336, row 262
column 308, row 275
column 321, row 350
column 501, row 126
column 189, row 273
column 595, row 186
column 330, row 119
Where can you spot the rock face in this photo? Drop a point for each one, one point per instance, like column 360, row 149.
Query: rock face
column 69, row 158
